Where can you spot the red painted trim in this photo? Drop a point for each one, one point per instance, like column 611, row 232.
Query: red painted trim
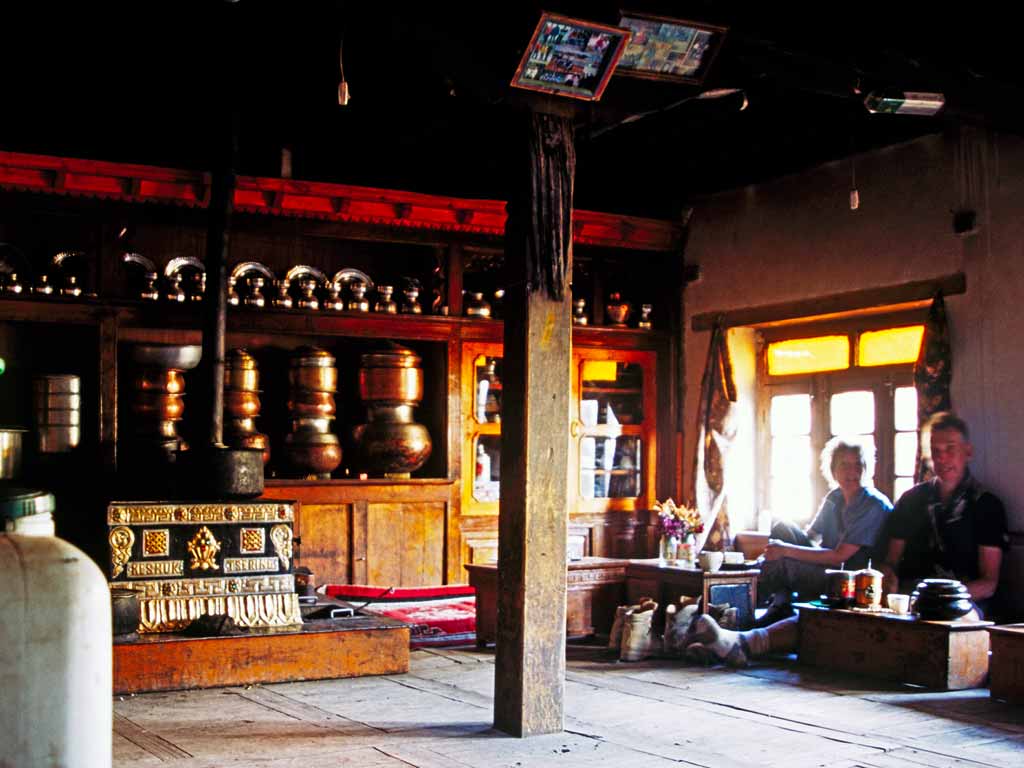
column 312, row 199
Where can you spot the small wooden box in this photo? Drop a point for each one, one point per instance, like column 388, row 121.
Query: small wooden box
column 945, row 655
column 1007, row 670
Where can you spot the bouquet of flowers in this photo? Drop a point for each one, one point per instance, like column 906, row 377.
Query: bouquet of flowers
column 677, row 521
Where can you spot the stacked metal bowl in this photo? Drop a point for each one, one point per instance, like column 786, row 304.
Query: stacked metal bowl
column 941, row 599
column 58, row 402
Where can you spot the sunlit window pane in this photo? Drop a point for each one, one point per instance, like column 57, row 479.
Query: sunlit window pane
column 905, row 453
column 791, row 499
column 791, row 415
column 868, row 441
column 791, row 457
column 901, row 486
column 853, row 413
column 891, row 346
column 820, row 353
column 905, row 408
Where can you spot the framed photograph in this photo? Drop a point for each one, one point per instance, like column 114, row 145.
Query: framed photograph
column 669, row 49
column 569, row 57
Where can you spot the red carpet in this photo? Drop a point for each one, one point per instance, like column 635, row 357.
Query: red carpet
column 438, row 616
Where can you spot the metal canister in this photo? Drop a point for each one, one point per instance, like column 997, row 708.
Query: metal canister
column 58, row 400
column 868, row 588
column 841, row 587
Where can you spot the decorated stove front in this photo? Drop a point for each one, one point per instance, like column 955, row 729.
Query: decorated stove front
column 186, row 560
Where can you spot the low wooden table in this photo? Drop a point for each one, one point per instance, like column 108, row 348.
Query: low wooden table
column 362, row 645
column 595, row 587
column 1007, row 678
column 945, row 655
column 667, row 584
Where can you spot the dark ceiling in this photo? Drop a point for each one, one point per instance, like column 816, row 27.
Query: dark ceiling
column 431, row 108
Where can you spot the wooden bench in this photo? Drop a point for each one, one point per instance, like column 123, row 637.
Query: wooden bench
column 1007, row 678
column 945, row 655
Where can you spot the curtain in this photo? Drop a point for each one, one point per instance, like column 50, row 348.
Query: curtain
column 933, row 373
column 715, row 434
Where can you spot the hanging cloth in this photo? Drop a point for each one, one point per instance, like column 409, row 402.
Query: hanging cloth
column 933, row 373
column 715, row 434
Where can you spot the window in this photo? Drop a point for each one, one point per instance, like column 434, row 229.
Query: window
column 851, row 378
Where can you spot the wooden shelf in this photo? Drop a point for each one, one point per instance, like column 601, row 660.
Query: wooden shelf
column 149, row 321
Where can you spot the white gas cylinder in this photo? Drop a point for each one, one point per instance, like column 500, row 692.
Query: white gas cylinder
column 55, row 656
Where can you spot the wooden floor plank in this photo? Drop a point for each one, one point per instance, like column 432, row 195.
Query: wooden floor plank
column 641, row 715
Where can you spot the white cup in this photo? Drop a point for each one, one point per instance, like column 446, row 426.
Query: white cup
column 711, row 561
column 899, row 604
column 733, row 558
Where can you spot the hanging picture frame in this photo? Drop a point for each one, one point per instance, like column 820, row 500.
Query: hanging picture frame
column 570, row 57
column 661, row 48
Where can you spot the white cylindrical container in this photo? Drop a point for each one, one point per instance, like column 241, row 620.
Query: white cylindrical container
column 55, row 656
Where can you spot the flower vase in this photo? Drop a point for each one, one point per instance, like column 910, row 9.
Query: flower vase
column 668, row 549
column 687, row 551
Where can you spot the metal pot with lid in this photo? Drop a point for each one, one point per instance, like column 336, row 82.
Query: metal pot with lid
column 868, row 588
column 841, row 586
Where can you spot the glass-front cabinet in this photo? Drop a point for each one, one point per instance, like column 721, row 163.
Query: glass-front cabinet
column 481, row 398
column 612, row 427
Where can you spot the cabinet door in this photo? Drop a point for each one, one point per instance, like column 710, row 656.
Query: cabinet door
column 613, row 429
column 481, row 427
column 324, row 546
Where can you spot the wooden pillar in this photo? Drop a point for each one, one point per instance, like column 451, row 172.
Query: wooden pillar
column 530, row 658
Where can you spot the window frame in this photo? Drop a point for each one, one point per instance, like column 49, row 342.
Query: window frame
column 821, row 386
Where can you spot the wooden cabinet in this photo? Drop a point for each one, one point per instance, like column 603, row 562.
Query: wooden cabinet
column 612, row 431
column 384, row 533
column 391, row 532
column 614, row 438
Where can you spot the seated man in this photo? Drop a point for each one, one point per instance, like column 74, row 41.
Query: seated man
column 848, row 524
column 950, row 526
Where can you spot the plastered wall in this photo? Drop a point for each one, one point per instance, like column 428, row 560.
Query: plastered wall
column 796, row 238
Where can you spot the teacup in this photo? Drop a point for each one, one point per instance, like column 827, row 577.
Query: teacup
column 711, row 561
column 899, row 604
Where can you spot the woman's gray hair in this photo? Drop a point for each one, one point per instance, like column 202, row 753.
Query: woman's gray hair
column 835, row 447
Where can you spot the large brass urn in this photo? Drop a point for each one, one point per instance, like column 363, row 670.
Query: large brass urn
column 391, row 385
column 311, row 448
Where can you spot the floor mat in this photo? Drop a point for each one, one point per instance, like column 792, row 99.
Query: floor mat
column 439, row 616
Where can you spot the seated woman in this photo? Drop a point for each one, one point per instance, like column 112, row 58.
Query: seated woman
column 848, row 526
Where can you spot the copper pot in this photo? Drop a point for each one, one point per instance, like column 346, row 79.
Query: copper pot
column 312, row 368
column 163, row 406
column 241, row 403
column 62, row 417
column 241, row 426
column 313, row 453
column 394, row 448
column 321, row 425
column 307, row 403
column 58, row 439
column 868, row 588
column 56, row 401
column 240, row 371
column 391, row 376
column 151, row 380
column 841, row 588
column 618, row 311
column 255, row 440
